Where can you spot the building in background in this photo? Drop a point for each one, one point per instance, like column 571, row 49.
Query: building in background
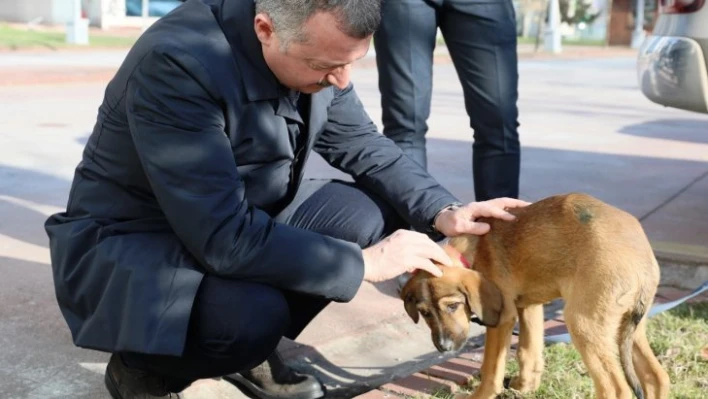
column 623, row 20
column 602, row 21
column 104, row 14
column 608, row 22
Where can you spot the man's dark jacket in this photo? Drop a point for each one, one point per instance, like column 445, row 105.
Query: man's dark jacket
column 189, row 160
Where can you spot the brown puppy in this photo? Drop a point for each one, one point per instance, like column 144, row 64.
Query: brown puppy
column 594, row 256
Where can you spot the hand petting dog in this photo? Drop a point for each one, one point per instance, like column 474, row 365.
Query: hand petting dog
column 406, row 251
column 462, row 220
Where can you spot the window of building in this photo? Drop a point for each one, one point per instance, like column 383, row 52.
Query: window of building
column 156, row 8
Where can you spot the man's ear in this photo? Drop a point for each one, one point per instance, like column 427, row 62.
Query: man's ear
column 263, row 26
column 483, row 297
column 410, row 299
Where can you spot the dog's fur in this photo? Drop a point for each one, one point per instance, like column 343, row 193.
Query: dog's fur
column 594, row 256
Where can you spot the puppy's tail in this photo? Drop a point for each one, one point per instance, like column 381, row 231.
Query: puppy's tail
column 628, row 325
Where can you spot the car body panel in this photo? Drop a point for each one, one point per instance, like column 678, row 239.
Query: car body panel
column 672, row 66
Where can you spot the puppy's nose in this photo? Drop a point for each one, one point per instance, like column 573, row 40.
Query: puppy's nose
column 446, row 345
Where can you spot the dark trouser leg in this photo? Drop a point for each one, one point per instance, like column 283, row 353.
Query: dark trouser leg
column 340, row 210
column 481, row 38
column 234, row 326
column 404, row 46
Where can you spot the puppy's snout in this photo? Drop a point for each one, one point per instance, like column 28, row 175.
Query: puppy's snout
column 445, row 345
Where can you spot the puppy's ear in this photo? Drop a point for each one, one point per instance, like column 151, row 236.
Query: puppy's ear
column 410, row 299
column 483, row 297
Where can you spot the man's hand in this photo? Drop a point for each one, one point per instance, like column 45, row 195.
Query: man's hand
column 403, row 251
column 462, row 220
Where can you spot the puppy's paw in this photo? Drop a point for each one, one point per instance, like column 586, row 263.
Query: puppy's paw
column 525, row 385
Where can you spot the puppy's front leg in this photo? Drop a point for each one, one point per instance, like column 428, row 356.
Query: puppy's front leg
column 530, row 353
column 496, row 348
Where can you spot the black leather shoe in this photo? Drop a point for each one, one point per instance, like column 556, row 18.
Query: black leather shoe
column 123, row 382
column 273, row 379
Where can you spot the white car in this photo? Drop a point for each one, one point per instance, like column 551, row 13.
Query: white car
column 672, row 60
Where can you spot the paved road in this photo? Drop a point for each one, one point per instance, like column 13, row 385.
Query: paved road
column 585, row 127
column 107, row 58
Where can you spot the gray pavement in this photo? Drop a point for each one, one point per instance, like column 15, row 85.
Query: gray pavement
column 98, row 58
column 585, row 127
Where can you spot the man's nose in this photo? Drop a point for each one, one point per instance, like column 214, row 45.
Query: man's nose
column 340, row 77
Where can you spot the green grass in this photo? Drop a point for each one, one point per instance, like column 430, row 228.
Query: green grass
column 17, row 39
column 677, row 338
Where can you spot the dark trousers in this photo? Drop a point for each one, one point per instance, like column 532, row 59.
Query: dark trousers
column 235, row 324
column 481, row 39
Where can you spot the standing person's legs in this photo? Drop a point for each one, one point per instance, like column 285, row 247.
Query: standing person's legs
column 404, row 45
column 481, row 39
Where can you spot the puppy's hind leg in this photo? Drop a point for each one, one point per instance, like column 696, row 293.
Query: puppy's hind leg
column 654, row 379
column 530, row 352
column 595, row 336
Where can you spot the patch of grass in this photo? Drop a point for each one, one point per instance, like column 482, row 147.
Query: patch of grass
column 677, row 337
column 17, row 39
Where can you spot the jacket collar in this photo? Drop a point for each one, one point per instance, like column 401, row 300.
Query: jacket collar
column 236, row 20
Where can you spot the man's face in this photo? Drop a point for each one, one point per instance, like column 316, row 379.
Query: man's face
column 324, row 59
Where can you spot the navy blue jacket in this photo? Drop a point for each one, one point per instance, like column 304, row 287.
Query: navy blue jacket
column 188, row 162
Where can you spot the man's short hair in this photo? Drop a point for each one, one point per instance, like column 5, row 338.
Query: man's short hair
column 356, row 18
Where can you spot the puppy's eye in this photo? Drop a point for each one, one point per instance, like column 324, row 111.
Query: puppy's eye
column 425, row 313
column 453, row 307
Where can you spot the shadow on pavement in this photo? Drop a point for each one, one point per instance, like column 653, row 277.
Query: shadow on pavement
column 37, row 335
column 689, row 130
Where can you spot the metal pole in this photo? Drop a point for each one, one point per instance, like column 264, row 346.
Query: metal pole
column 552, row 42
column 146, row 14
column 638, row 33
column 76, row 27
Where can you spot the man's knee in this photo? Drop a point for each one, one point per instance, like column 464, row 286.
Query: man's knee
column 373, row 219
column 239, row 320
column 345, row 211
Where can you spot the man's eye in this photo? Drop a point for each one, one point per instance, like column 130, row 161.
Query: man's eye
column 320, row 68
column 453, row 307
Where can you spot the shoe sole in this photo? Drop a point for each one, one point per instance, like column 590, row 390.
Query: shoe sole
column 111, row 386
column 249, row 388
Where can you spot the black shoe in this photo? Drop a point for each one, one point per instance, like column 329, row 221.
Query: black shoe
column 123, row 382
column 273, row 379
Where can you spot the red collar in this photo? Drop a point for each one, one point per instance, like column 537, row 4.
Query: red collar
column 462, row 259
column 454, row 253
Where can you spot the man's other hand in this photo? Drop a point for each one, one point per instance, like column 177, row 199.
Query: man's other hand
column 462, row 220
column 401, row 252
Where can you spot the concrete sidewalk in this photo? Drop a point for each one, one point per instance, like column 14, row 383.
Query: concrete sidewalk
column 83, row 66
column 584, row 125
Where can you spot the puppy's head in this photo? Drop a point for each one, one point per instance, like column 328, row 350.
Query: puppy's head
column 448, row 302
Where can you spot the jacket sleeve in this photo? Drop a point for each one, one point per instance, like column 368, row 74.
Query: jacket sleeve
column 351, row 143
column 178, row 128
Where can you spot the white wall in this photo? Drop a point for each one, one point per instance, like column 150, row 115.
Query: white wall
column 26, row 10
column 62, row 11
